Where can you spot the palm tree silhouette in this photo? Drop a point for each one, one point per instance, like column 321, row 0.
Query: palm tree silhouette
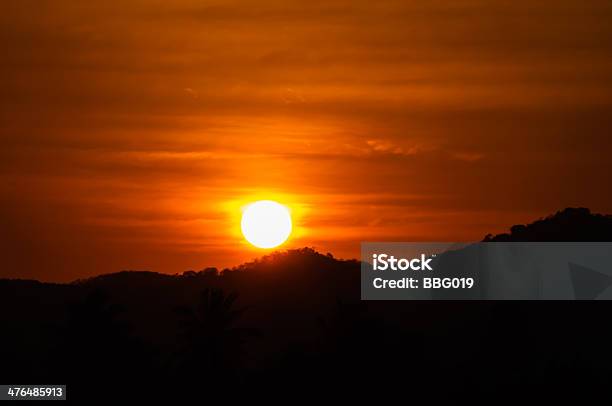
column 212, row 344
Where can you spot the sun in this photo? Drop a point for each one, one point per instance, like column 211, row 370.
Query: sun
column 266, row 223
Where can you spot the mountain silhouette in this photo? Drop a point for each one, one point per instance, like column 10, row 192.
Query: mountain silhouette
column 294, row 319
column 571, row 224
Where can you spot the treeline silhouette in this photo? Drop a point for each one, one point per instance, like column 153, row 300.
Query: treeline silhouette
column 293, row 321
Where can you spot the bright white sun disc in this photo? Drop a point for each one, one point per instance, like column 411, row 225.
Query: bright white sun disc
column 266, row 223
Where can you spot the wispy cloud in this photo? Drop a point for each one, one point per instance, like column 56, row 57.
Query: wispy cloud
column 467, row 156
column 390, row 147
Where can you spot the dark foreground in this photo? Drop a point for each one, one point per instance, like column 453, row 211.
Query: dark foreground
column 293, row 322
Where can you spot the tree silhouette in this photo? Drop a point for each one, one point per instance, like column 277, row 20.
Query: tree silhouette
column 95, row 345
column 211, row 343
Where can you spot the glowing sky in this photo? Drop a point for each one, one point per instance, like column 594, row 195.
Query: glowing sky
column 133, row 132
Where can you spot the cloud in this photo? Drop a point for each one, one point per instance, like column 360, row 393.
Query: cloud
column 193, row 93
column 468, row 156
column 389, row 147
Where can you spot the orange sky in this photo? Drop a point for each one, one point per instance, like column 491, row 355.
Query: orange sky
column 133, row 132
